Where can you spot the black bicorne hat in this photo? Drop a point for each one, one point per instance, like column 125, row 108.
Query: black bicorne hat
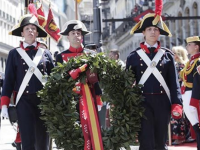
column 26, row 20
column 152, row 19
column 74, row 25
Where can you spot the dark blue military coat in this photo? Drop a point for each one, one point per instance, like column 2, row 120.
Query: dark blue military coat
column 16, row 69
column 165, row 66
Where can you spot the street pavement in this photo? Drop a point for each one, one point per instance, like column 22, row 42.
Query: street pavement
column 7, row 136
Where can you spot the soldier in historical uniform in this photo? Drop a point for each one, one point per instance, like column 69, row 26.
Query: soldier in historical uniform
column 191, row 85
column 155, row 70
column 74, row 30
column 25, row 69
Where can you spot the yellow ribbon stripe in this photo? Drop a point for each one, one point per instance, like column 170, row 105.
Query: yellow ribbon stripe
column 93, row 120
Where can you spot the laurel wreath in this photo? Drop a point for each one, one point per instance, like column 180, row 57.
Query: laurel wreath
column 58, row 104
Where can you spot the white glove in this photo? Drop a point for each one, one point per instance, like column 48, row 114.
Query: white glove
column 4, row 112
column 99, row 107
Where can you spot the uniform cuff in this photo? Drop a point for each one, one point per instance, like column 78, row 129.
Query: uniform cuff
column 99, row 101
column 5, row 100
column 176, row 109
column 194, row 102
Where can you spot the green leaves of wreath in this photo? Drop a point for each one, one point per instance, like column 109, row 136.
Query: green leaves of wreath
column 59, row 105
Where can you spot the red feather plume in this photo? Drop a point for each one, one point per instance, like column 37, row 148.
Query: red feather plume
column 32, row 9
column 158, row 7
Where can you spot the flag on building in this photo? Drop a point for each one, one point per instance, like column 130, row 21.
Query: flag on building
column 51, row 27
column 41, row 16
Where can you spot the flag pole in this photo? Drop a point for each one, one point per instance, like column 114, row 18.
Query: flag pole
column 49, row 37
column 76, row 9
column 26, row 6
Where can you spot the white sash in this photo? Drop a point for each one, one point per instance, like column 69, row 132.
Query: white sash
column 32, row 70
column 152, row 69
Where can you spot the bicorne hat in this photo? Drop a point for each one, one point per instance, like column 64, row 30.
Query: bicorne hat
column 152, row 19
column 26, row 20
column 74, row 25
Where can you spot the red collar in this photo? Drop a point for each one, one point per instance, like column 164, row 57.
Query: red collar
column 146, row 50
column 76, row 50
column 195, row 56
column 26, row 49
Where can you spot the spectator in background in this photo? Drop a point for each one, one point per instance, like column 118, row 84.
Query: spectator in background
column 114, row 54
column 180, row 127
column 43, row 44
column 91, row 46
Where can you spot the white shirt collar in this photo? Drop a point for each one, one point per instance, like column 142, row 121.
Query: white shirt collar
column 26, row 44
column 155, row 45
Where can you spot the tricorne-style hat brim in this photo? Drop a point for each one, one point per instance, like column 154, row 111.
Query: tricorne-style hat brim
column 74, row 25
column 147, row 21
column 26, row 20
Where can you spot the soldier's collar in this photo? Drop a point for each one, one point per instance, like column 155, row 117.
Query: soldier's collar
column 145, row 48
column 24, row 45
column 76, row 50
column 195, row 56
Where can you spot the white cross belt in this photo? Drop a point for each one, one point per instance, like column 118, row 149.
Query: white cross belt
column 32, row 70
column 152, row 69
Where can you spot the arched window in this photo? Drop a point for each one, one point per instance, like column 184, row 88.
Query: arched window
column 195, row 13
column 187, row 23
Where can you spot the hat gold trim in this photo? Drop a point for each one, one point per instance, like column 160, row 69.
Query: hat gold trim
column 193, row 39
column 155, row 21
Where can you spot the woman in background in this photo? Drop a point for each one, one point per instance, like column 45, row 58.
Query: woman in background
column 180, row 127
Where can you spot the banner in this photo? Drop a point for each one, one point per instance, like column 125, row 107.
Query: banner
column 41, row 16
column 51, row 27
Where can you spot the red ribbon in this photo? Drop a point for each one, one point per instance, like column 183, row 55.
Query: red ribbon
column 89, row 120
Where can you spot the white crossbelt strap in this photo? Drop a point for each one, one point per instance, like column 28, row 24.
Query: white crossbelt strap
column 152, row 69
column 32, row 70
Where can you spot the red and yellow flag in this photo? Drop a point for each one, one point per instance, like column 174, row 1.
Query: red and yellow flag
column 41, row 16
column 51, row 27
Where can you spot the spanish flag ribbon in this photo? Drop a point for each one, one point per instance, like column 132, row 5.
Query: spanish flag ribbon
column 89, row 113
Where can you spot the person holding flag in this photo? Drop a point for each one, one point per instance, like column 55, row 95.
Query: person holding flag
column 154, row 69
column 27, row 68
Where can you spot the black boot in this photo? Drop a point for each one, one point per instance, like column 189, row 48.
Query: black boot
column 196, row 128
column 17, row 145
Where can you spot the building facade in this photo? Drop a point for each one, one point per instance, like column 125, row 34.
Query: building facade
column 116, row 34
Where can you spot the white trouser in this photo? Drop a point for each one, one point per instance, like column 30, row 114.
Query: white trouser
column 190, row 111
